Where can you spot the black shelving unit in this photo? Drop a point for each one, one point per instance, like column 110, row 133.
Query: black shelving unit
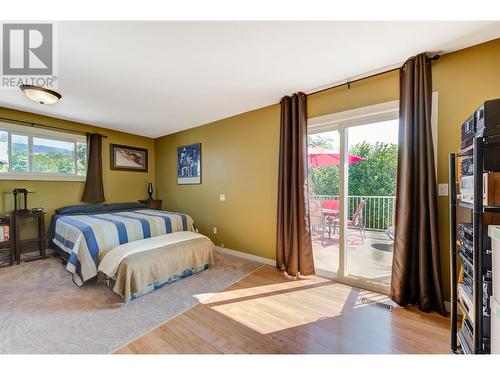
column 452, row 194
column 473, row 337
column 477, row 225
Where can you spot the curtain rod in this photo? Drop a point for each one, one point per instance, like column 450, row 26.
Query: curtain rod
column 45, row 126
column 348, row 83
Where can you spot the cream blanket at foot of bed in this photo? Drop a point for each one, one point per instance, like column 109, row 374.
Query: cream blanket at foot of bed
column 136, row 265
column 109, row 264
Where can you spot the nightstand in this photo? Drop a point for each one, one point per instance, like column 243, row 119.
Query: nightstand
column 155, row 204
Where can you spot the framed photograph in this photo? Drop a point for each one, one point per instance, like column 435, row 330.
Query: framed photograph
column 127, row 158
column 189, row 164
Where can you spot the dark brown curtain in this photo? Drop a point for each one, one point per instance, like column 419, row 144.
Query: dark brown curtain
column 293, row 244
column 94, row 190
column 416, row 270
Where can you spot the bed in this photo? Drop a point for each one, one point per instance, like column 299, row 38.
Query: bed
column 83, row 234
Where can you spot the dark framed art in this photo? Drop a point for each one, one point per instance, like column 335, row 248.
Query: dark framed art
column 128, row 158
column 189, row 164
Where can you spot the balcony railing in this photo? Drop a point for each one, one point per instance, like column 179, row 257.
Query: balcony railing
column 377, row 214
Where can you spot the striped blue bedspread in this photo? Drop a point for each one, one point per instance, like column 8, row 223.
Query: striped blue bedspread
column 87, row 238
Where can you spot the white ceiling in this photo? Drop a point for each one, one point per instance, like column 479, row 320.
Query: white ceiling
column 157, row 78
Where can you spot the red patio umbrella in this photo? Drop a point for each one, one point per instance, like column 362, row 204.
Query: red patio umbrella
column 323, row 157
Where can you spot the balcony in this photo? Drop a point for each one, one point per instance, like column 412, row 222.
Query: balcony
column 369, row 239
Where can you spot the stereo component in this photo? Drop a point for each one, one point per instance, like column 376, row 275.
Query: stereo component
column 467, row 166
column 468, row 131
column 487, row 119
column 466, row 231
column 485, row 122
column 491, row 189
column 466, row 191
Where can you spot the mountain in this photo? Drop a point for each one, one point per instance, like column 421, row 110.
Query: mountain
column 20, row 147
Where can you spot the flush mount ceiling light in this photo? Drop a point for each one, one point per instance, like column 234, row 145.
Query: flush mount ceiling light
column 40, row 94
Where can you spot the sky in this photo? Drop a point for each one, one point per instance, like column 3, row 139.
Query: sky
column 386, row 131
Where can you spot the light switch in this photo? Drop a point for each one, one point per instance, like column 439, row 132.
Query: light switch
column 214, row 229
column 222, row 197
column 443, row 190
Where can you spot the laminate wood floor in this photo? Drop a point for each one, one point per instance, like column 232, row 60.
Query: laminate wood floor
column 266, row 312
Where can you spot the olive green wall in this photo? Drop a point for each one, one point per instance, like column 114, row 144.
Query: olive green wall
column 118, row 186
column 240, row 160
column 464, row 80
column 240, row 154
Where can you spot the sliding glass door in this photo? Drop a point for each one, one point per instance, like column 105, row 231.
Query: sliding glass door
column 352, row 169
column 324, row 199
column 371, row 198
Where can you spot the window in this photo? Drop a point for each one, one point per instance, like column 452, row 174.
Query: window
column 40, row 154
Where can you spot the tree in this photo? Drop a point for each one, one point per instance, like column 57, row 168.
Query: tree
column 375, row 175
column 321, row 141
column 53, row 163
column 81, row 157
column 20, row 161
column 43, row 162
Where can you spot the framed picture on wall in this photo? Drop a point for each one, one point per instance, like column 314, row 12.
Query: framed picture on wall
column 189, row 164
column 127, row 158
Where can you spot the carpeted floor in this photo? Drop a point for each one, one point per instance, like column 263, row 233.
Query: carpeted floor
column 42, row 311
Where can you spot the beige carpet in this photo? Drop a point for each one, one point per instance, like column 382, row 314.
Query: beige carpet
column 42, row 311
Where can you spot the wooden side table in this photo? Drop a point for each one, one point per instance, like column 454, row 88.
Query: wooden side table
column 18, row 217
column 155, row 204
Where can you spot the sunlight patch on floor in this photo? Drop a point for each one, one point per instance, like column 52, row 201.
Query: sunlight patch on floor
column 266, row 288
column 202, row 297
column 283, row 309
column 271, row 307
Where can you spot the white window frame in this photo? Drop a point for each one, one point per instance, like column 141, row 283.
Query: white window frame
column 31, row 133
column 340, row 121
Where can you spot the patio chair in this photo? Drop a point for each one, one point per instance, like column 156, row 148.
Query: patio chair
column 317, row 220
column 356, row 221
column 331, row 204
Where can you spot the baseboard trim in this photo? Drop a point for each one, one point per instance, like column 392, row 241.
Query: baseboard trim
column 241, row 254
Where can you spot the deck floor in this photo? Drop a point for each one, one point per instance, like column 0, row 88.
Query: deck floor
column 370, row 259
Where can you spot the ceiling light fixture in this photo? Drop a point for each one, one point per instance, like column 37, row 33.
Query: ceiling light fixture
column 40, row 94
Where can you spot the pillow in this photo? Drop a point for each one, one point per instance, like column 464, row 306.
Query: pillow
column 80, row 209
column 124, row 206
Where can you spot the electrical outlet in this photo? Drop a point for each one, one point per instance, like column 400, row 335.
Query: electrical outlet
column 214, row 229
column 221, row 245
column 443, row 190
column 222, row 197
